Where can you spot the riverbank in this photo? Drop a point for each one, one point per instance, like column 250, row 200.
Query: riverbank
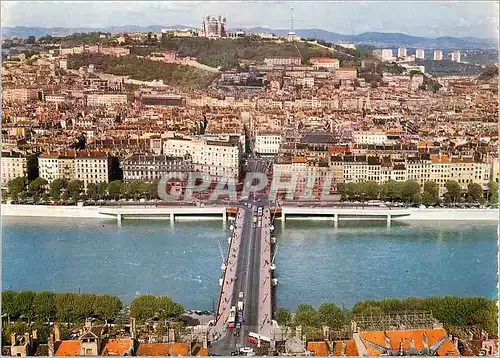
column 92, row 212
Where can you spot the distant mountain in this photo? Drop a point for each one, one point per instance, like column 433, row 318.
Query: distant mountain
column 378, row 39
column 381, row 39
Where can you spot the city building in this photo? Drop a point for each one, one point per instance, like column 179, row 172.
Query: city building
column 282, row 61
column 420, row 54
column 438, row 55
column 19, row 95
column 57, row 165
column 212, row 27
column 16, row 164
column 85, row 165
column 106, row 99
column 215, row 155
column 402, row 52
column 384, row 54
column 325, row 62
column 455, row 56
column 160, row 100
column 149, row 167
column 267, row 143
column 93, row 167
column 346, row 73
column 348, row 45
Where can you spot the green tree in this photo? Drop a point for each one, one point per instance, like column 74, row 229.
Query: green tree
column 45, row 305
column 85, row 304
column 8, row 304
column 391, row 189
column 306, row 316
column 283, row 316
column 410, row 188
column 16, row 186
column 37, row 185
column 65, row 307
column 143, row 307
column 416, row 199
column 341, row 190
column 74, row 188
column 92, row 191
column 114, row 188
column 55, row 188
column 331, row 315
column 370, row 188
column 24, row 303
column 107, row 306
column 474, row 192
column 133, row 189
column 454, row 190
column 352, row 190
column 102, row 189
column 431, row 193
column 493, row 192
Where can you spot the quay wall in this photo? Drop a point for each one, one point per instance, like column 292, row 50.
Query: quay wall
column 451, row 215
column 90, row 212
column 93, row 213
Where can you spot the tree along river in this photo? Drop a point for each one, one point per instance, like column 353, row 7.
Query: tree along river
column 315, row 261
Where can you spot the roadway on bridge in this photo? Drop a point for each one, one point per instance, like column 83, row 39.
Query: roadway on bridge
column 247, row 281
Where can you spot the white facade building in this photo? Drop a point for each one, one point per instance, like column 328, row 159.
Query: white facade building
column 106, row 99
column 267, row 143
column 217, row 156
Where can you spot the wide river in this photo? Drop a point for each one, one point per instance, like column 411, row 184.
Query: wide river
column 315, row 262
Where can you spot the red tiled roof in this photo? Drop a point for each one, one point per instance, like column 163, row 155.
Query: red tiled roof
column 319, row 348
column 350, row 351
column 118, row 347
column 68, row 348
column 180, row 349
column 153, row 349
column 405, row 336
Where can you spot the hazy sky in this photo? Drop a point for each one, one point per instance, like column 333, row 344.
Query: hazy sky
column 432, row 19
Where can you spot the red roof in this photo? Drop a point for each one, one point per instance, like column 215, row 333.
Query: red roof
column 69, row 348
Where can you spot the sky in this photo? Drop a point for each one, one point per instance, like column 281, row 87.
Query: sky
column 418, row 18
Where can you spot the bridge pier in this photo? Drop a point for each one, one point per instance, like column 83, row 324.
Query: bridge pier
column 224, row 215
column 172, row 218
column 335, row 220
column 119, row 219
column 389, row 220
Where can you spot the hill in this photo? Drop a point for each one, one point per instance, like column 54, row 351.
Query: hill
column 227, row 53
column 172, row 74
column 378, row 39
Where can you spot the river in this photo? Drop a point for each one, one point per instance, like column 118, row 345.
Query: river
column 315, row 262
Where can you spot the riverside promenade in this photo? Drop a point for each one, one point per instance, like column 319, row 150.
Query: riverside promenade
column 228, row 278
column 290, row 212
column 265, row 287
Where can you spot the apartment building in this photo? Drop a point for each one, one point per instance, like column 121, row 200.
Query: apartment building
column 365, row 137
column 16, row 164
column 325, row 62
column 438, row 55
column 267, row 143
column 153, row 167
column 346, row 74
column 215, row 155
column 19, row 95
column 402, row 53
column 57, row 165
column 106, row 99
column 282, row 61
column 92, row 167
column 420, row 53
column 87, row 166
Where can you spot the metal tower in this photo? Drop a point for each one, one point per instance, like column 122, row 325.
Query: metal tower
column 291, row 21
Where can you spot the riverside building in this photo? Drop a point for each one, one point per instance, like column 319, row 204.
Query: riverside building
column 149, row 167
column 16, row 164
